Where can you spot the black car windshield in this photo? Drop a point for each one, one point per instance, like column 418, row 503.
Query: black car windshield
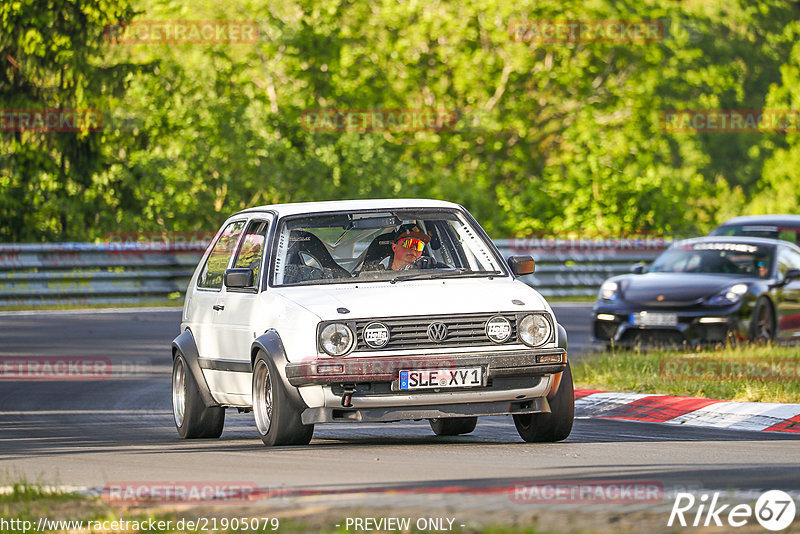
column 717, row 258
column 390, row 245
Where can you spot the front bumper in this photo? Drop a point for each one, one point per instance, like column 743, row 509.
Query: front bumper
column 513, row 363
column 696, row 326
column 367, row 388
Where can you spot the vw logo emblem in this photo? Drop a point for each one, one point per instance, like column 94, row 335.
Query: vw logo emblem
column 437, row 332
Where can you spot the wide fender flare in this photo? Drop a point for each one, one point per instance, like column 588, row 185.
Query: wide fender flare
column 271, row 345
column 188, row 348
column 556, row 380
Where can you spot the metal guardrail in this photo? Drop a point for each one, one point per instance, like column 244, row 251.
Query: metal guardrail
column 137, row 272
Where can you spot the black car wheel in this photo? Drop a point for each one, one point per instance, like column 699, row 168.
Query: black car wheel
column 277, row 419
column 553, row 426
column 453, row 426
column 762, row 325
column 192, row 418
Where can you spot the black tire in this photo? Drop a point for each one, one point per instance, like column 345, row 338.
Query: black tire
column 453, row 426
column 762, row 325
column 553, row 426
column 277, row 418
column 192, row 418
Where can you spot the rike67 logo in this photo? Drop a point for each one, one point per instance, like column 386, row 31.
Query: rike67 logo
column 774, row 510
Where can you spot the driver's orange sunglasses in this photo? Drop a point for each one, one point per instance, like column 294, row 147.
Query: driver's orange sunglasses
column 413, row 244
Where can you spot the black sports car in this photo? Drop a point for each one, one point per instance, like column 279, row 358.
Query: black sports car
column 785, row 227
column 708, row 289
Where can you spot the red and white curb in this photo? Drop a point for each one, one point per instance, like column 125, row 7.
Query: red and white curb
column 690, row 411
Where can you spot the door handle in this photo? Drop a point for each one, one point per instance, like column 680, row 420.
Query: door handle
column 218, row 307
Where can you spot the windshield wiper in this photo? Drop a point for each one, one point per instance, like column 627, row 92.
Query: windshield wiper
column 465, row 271
column 446, row 274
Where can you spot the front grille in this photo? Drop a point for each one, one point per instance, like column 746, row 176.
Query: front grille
column 412, row 332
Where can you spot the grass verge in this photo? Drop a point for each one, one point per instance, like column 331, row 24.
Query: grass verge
column 747, row 373
column 26, row 508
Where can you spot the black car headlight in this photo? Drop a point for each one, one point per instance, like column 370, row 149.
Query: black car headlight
column 728, row 296
column 609, row 291
column 336, row 339
column 534, row 329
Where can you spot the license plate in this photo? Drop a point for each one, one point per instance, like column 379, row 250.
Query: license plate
column 654, row 319
column 465, row 377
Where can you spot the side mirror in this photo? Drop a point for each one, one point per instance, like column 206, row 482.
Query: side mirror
column 637, row 268
column 239, row 278
column 521, row 265
column 791, row 274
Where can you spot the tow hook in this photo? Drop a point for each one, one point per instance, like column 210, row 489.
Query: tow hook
column 347, row 396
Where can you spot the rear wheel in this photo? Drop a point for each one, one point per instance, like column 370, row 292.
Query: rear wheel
column 277, row 419
column 192, row 418
column 453, row 426
column 762, row 326
column 553, row 426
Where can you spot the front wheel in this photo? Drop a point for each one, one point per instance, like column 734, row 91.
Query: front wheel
column 453, row 426
column 762, row 326
column 553, row 426
column 192, row 418
column 277, row 419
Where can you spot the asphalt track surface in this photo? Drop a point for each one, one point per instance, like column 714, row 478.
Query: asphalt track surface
column 93, row 433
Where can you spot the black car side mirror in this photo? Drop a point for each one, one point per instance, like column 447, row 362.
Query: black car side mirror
column 521, row 265
column 791, row 274
column 239, row 278
column 637, row 268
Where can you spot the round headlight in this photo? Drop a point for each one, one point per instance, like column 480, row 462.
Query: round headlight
column 534, row 330
column 336, row 339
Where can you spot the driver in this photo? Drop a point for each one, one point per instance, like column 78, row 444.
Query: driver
column 407, row 247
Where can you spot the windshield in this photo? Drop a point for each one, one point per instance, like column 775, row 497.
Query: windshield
column 717, row 258
column 392, row 245
column 791, row 235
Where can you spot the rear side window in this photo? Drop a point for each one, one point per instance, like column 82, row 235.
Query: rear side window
column 792, row 236
column 214, row 269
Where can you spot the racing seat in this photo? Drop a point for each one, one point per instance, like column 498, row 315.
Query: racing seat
column 306, row 243
column 378, row 250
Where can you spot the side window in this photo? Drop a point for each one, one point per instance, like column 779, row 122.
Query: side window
column 214, row 269
column 792, row 236
column 787, row 259
column 252, row 248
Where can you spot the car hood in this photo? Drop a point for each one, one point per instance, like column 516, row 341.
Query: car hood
column 418, row 297
column 674, row 289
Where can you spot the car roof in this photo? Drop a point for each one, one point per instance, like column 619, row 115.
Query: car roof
column 792, row 221
column 351, row 205
column 762, row 241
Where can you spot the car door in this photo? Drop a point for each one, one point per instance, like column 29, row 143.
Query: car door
column 206, row 299
column 788, row 312
column 235, row 321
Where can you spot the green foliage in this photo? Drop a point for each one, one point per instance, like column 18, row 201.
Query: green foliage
column 709, row 373
column 552, row 137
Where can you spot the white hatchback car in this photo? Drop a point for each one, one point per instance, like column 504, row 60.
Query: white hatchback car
column 366, row 310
